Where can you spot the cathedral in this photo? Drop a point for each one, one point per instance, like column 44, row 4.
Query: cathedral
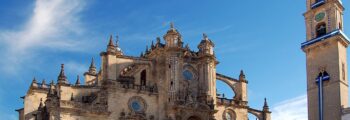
column 169, row 81
column 326, row 61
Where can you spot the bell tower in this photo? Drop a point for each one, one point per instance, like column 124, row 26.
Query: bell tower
column 325, row 49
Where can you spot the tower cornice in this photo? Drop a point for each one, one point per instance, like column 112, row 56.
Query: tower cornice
column 338, row 3
column 337, row 32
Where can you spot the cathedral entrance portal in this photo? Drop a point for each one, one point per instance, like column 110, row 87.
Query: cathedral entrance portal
column 193, row 118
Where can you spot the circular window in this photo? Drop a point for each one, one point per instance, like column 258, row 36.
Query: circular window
column 187, row 75
column 229, row 115
column 137, row 104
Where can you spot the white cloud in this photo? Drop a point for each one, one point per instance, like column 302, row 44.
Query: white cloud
column 292, row 109
column 50, row 22
column 51, row 27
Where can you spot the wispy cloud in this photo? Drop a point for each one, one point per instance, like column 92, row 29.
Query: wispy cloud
column 51, row 27
column 217, row 30
column 208, row 30
column 292, row 109
column 76, row 68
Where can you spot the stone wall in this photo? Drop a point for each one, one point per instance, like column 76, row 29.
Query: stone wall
column 32, row 101
column 118, row 102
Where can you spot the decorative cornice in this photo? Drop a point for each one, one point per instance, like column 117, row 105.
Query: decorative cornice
column 337, row 2
column 319, row 3
column 19, row 110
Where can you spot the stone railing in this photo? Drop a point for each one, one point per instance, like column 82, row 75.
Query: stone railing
column 151, row 89
column 225, row 101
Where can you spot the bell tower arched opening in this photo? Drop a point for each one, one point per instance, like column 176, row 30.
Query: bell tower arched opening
column 321, row 29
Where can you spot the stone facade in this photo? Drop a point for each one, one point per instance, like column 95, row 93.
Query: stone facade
column 169, row 81
column 326, row 60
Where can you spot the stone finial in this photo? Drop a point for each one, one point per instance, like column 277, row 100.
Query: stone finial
column 110, row 46
column 141, row 55
column 266, row 107
column 205, row 36
column 34, row 80
column 43, row 84
column 158, row 43
column 146, row 49
column 52, row 82
column 110, row 43
column 242, row 77
column 92, row 68
column 78, row 80
column 172, row 29
column 158, row 40
column 117, row 40
column 152, row 45
column 62, row 79
column 171, row 25
column 205, row 42
column 62, row 71
column 92, row 65
column 34, row 83
column 117, row 48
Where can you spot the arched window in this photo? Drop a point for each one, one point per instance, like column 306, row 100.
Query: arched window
column 321, row 29
column 143, row 77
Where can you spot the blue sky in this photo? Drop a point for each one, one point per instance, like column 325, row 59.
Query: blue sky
column 261, row 37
